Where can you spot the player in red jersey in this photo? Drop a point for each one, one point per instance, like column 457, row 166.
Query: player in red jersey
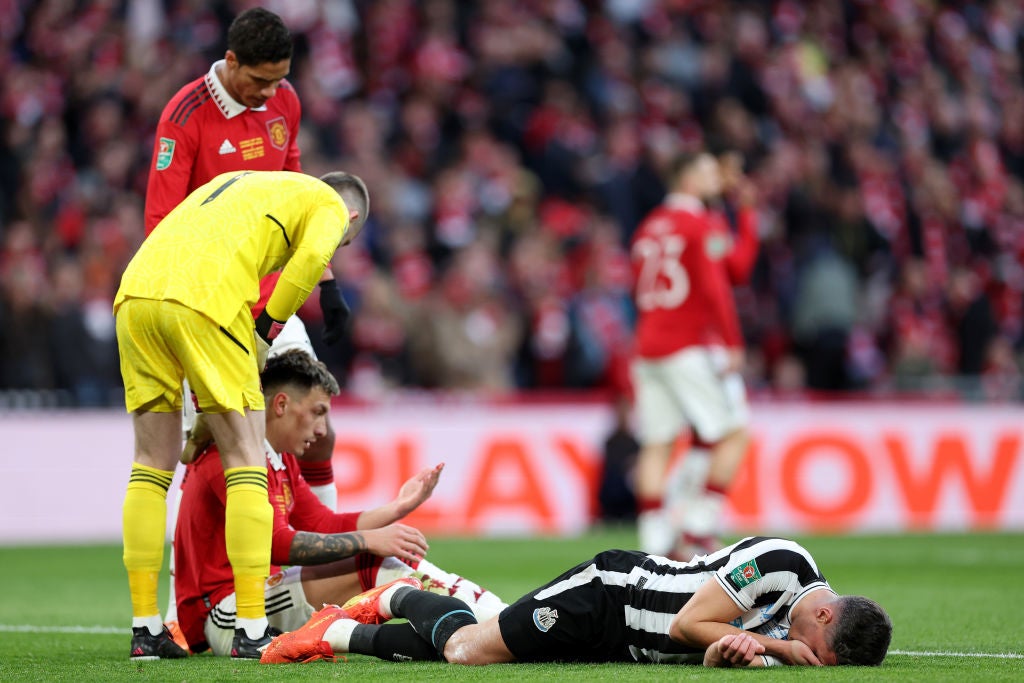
column 689, row 350
column 333, row 556
column 243, row 115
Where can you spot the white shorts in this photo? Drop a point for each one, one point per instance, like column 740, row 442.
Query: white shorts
column 287, row 609
column 688, row 388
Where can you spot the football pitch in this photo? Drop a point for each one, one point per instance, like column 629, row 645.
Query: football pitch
column 955, row 600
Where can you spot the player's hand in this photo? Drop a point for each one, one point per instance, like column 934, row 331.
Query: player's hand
column 336, row 312
column 735, row 359
column 800, row 654
column 735, row 649
column 199, row 437
column 262, row 351
column 415, row 491
column 266, row 329
column 397, row 540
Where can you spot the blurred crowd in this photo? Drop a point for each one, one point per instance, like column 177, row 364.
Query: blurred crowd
column 513, row 146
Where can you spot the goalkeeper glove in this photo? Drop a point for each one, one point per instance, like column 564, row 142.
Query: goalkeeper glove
column 336, row 312
column 266, row 329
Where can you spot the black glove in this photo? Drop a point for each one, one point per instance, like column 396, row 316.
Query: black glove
column 336, row 312
column 266, row 329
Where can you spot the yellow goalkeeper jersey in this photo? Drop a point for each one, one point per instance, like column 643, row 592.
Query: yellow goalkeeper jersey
column 210, row 252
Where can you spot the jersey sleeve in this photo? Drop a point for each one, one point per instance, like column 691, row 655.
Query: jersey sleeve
column 768, row 568
column 292, row 161
column 739, row 262
column 713, row 274
column 303, row 271
column 174, row 154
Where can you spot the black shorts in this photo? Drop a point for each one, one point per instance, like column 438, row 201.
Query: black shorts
column 579, row 616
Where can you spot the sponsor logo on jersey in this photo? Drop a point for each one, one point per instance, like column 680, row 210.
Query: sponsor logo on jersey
column 251, row 148
column 746, row 574
column 278, row 132
column 226, row 147
column 544, row 618
column 164, row 153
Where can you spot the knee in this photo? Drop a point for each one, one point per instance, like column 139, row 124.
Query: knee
column 462, row 649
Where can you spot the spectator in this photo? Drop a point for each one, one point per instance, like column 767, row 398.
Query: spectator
column 891, row 129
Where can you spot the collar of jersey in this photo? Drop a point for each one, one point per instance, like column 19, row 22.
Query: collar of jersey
column 228, row 105
column 273, row 457
column 687, row 202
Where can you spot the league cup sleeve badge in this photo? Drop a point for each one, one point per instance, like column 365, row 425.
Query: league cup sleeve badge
column 164, row 153
column 746, row 574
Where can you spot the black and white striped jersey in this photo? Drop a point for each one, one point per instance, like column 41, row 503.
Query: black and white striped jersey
column 618, row 605
column 765, row 577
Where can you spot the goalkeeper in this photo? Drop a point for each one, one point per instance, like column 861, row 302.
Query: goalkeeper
column 183, row 311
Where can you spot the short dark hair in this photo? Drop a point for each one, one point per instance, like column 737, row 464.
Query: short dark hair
column 353, row 191
column 681, row 164
column 862, row 632
column 258, row 36
column 296, row 368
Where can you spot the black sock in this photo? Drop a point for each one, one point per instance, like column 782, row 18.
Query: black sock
column 393, row 642
column 435, row 617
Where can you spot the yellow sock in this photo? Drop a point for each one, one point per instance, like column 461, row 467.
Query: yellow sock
column 248, row 525
column 145, row 524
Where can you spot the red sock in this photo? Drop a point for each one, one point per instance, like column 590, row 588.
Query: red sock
column 367, row 566
column 317, row 473
column 648, row 504
column 716, row 488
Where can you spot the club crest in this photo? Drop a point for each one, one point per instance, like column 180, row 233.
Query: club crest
column 544, row 618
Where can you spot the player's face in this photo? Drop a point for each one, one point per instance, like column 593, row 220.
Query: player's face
column 710, row 175
column 253, row 85
column 304, row 420
column 814, row 635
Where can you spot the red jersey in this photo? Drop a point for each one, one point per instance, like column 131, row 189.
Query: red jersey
column 203, row 132
column 682, row 277
column 202, row 572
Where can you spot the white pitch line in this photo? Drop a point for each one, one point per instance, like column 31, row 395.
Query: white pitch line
column 27, row 628
column 114, row 630
column 990, row 655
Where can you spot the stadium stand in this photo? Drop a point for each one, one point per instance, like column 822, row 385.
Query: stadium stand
column 512, row 147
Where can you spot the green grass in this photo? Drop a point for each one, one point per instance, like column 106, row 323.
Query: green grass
column 948, row 593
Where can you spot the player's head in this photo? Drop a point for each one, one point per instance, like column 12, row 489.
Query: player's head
column 697, row 174
column 297, row 389
column 353, row 192
column 861, row 633
column 849, row 630
column 258, row 57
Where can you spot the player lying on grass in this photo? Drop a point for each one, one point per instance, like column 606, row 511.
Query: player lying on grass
column 335, row 556
column 758, row 602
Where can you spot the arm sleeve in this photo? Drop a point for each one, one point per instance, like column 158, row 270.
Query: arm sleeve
column 740, row 260
column 292, row 161
column 720, row 301
column 305, row 268
column 167, row 187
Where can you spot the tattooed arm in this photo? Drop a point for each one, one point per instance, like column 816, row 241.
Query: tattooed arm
column 399, row 540
column 312, row 548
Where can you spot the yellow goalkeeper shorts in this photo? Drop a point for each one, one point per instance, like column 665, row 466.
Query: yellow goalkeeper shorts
column 162, row 342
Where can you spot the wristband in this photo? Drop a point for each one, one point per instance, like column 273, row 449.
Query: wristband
column 267, row 327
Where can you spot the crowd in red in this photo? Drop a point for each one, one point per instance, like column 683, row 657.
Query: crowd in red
column 512, row 147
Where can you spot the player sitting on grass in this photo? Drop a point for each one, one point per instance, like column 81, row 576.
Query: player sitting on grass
column 335, row 556
column 758, row 602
